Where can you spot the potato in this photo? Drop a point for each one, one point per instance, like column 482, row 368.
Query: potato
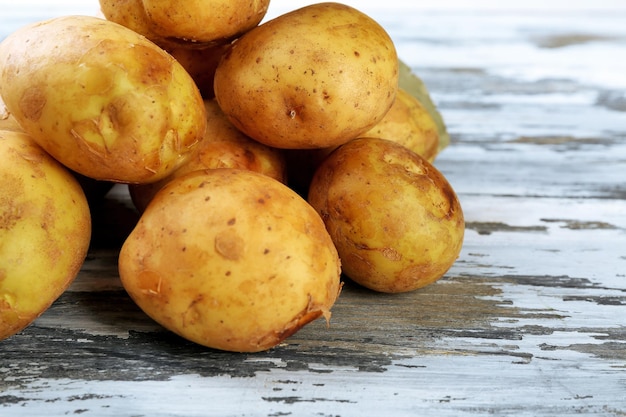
column 223, row 146
column 315, row 77
column 131, row 14
column 394, row 218
column 170, row 22
column 410, row 124
column 45, row 230
column 100, row 98
column 414, row 85
column 201, row 64
column 230, row 259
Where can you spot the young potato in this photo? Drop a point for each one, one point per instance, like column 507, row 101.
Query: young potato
column 100, row 98
column 230, row 259
column 395, row 220
column 200, row 63
column 223, row 146
column 45, row 231
column 315, row 77
column 410, row 124
column 171, row 22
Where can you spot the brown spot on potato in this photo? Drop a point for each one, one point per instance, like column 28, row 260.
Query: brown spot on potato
column 391, row 254
column 10, row 215
column 416, row 276
column 194, row 312
column 229, row 245
column 32, row 102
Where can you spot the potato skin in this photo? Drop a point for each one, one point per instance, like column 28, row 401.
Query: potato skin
column 223, row 146
column 7, row 121
column 45, row 231
column 394, row 218
column 230, row 259
column 201, row 64
column 410, row 124
column 170, row 23
column 204, row 20
column 100, row 98
column 314, row 77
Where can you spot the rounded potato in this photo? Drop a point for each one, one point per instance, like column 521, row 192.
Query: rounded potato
column 315, row 77
column 230, row 259
column 100, row 98
column 45, row 231
column 223, row 146
column 410, row 124
column 170, row 22
column 395, row 220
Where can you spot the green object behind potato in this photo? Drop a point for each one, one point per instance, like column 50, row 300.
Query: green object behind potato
column 414, row 85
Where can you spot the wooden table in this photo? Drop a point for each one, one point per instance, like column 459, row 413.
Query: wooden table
column 530, row 321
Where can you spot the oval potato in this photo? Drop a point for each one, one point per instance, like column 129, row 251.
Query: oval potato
column 45, row 231
column 100, row 98
column 231, row 259
column 314, row 77
column 194, row 22
column 394, row 218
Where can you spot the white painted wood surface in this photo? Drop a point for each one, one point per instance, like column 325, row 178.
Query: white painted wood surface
column 530, row 321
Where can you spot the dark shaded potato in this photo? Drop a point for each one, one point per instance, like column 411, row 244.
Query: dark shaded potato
column 394, row 218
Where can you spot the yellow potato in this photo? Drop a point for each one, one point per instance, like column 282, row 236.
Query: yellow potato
column 315, row 77
column 410, row 124
column 131, row 14
column 394, row 218
column 223, row 146
column 45, row 230
column 100, row 98
column 230, row 259
column 171, row 22
column 200, row 63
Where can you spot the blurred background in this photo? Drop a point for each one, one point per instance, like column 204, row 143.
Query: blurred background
column 15, row 14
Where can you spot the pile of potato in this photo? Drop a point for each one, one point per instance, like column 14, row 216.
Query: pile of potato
column 268, row 160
